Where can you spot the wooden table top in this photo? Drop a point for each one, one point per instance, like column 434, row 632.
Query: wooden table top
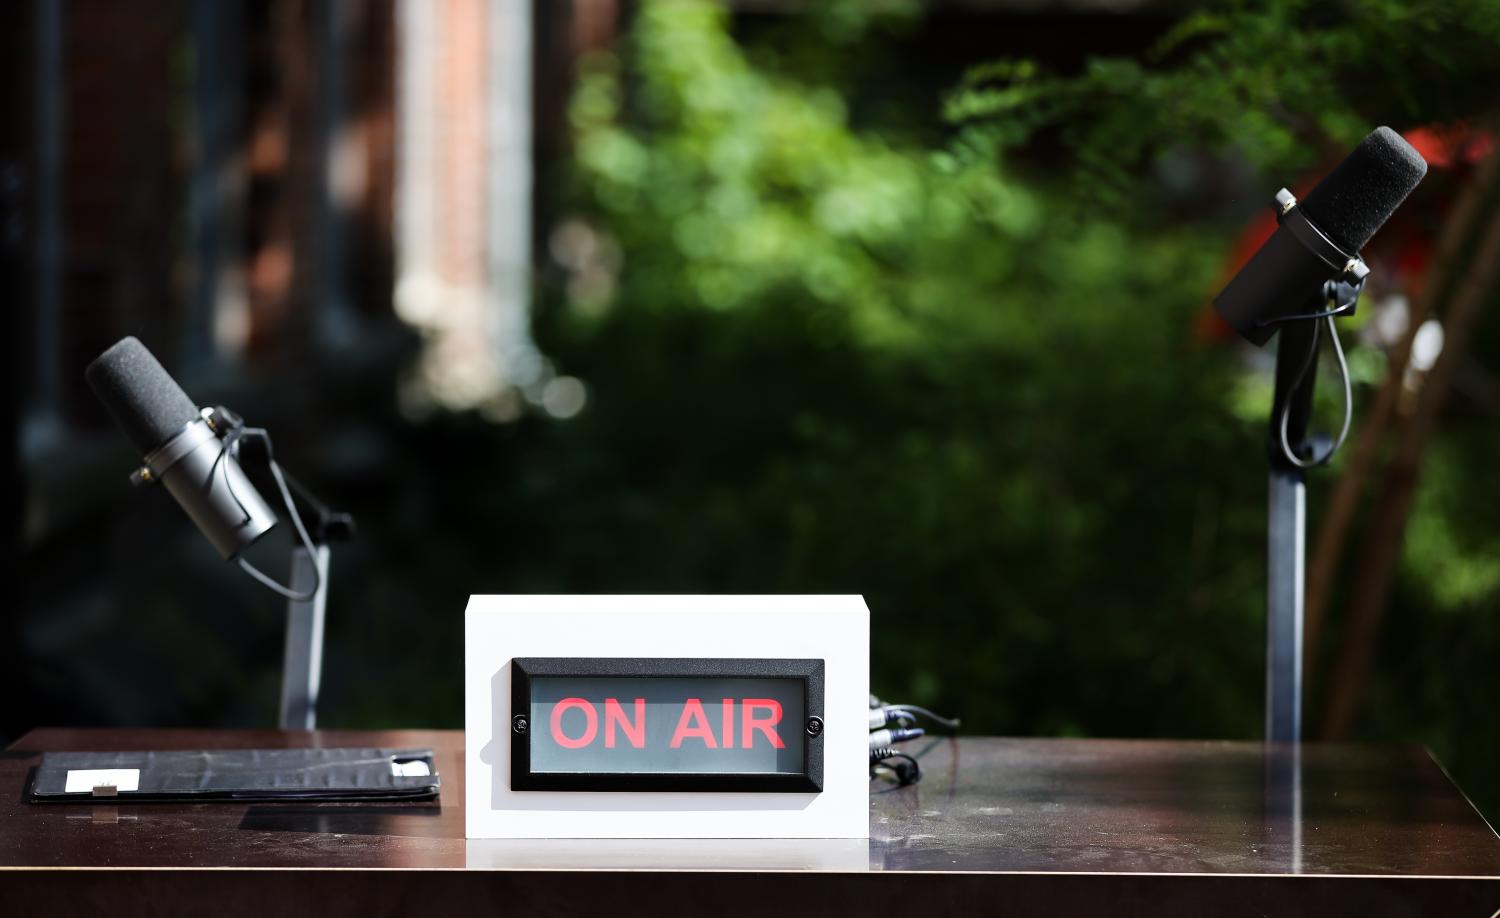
column 986, row 806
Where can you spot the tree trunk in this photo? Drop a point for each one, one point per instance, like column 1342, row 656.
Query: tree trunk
column 1382, row 550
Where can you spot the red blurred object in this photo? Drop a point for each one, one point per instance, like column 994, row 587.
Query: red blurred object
column 1443, row 147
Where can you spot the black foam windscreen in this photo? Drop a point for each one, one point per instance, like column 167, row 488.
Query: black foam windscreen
column 145, row 401
column 1361, row 193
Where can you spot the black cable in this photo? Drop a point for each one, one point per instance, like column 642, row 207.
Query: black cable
column 232, row 448
column 1336, row 311
column 902, row 766
column 1286, row 409
column 950, row 724
column 267, row 582
column 907, row 771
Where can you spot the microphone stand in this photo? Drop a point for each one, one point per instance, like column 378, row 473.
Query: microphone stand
column 302, row 662
column 1286, row 507
column 1286, row 533
column 1286, row 549
column 307, row 589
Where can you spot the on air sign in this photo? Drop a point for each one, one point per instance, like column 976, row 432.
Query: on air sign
column 667, row 717
column 759, row 718
column 666, row 724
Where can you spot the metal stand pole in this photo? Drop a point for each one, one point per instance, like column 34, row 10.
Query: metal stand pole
column 1286, row 534
column 302, row 667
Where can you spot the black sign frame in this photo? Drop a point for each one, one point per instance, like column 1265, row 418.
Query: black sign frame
column 809, row 780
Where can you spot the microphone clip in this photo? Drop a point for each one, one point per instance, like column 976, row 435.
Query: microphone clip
column 253, row 445
column 1340, row 292
column 222, row 420
column 187, row 440
column 1351, row 268
column 250, row 444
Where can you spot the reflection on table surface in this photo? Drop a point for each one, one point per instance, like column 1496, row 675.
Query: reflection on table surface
column 984, row 805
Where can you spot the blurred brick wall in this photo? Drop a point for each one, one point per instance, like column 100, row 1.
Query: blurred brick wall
column 134, row 235
column 286, row 167
column 371, row 85
column 123, row 161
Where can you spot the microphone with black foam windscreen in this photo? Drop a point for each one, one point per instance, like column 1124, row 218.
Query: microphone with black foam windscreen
column 179, row 446
column 1309, row 271
column 1318, row 241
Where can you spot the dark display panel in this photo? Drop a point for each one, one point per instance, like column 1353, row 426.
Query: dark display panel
column 654, row 724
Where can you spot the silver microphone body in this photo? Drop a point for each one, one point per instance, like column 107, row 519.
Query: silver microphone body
column 208, row 483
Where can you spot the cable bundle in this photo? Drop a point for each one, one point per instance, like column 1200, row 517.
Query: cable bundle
column 896, row 723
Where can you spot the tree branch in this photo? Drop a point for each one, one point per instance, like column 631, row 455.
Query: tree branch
column 1382, row 552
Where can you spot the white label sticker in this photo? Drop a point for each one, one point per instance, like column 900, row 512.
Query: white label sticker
column 84, row 780
column 416, row 768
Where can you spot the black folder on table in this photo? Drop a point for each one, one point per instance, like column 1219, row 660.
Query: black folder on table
column 302, row 775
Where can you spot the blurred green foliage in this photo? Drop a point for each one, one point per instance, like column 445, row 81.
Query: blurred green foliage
column 1279, row 83
column 834, row 362
column 827, row 357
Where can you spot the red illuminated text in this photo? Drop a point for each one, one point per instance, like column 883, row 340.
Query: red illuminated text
column 757, row 718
